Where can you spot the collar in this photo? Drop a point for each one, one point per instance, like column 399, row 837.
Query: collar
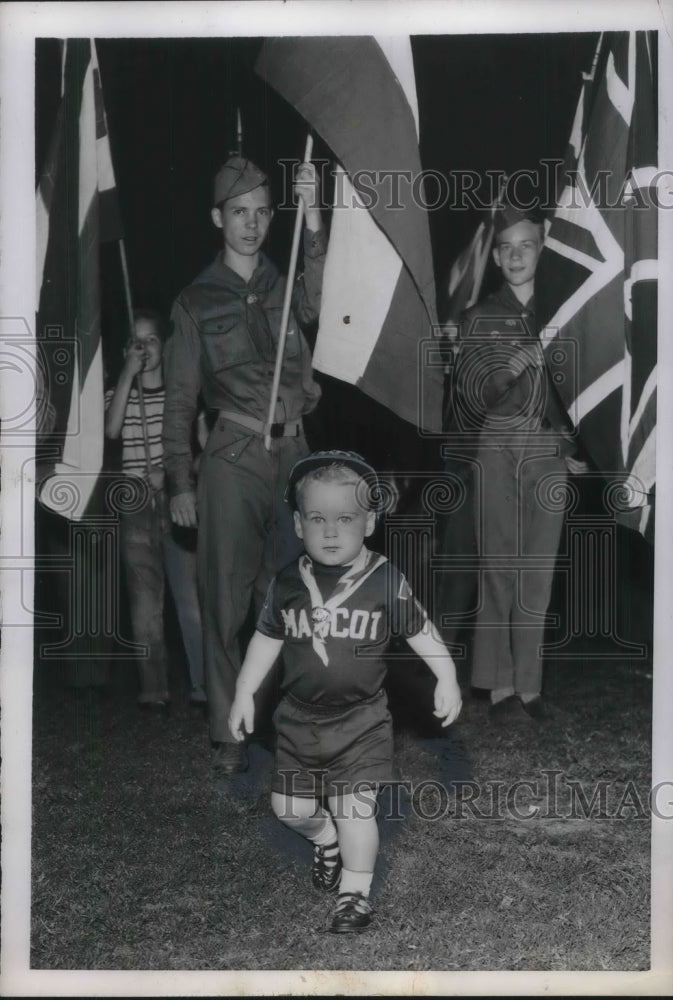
column 262, row 280
column 362, row 567
column 507, row 296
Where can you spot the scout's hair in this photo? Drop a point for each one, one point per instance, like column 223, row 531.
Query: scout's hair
column 151, row 316
column 341, row 474
column 335, row 466
column 497, row 240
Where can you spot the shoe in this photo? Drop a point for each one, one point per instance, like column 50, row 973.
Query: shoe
column 159, row 708
column 537, row 709
column 353, row 913
column 230, row 758
column 199, row 705
column 326, row 871
column 508, row 710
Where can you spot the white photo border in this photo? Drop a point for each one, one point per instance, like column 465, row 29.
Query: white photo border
column 20, row 24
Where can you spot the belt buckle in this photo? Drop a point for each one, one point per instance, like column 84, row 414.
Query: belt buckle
column 277, row 430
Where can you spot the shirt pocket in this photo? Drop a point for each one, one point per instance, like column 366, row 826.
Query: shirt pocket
column 227, row 442
column 226, row 342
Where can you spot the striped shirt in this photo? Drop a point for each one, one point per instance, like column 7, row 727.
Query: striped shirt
column 134, row 462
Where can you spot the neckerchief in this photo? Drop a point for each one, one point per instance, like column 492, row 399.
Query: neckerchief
column 363, row 566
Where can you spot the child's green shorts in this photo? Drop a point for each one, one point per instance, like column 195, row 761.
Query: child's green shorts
column 325, row 751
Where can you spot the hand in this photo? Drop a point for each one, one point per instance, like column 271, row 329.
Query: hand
column 157, row 478
column 307, row 186
column 242, row 716
column 576, row 465
column 525, row 356
column 135, row 358
column 448, row 701
column 183, row 510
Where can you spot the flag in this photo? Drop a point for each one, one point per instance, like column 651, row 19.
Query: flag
column 378, row 301
column 596, row 282
column 467, row 271
column 76, row 210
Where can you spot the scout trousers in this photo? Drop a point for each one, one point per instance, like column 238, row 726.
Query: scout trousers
column 246, row 535
column 519, row 511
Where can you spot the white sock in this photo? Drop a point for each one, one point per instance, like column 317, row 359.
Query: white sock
column 355, row 882
column 499, row 694
column 327, row 835
column 527, row 696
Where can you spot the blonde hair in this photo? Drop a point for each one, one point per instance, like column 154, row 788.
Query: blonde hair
column 333, row 473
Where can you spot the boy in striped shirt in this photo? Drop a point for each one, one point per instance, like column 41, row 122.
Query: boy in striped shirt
column 147, row 547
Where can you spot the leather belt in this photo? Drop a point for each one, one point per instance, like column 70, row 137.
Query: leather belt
column 293, row 428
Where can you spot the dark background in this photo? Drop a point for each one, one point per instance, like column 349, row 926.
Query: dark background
column 486, row 103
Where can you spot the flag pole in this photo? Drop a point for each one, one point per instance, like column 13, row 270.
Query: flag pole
column 239, row 133
column 139, row 385
column 589, row 77
column 481, row 270
column 487, row 248
column 285, row 315
column 129, row 313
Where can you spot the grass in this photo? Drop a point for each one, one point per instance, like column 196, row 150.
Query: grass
column 139, row 862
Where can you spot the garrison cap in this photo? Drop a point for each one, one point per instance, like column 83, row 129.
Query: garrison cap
column 237, row 176
column 324, row 459
column 507, row 215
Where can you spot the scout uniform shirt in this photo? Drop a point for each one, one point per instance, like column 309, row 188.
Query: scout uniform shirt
column 223, row 346
column 352, row 639
column 500, row 370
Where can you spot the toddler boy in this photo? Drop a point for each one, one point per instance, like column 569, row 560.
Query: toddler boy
column 331, row 612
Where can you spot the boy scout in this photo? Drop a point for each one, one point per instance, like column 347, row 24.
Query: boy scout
column 524, row 441
column 225, row 329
